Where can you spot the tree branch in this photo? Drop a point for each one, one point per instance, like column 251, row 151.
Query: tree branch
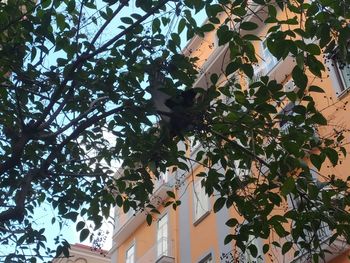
column 75, row 134
column 17, row 213
column 86, row 56
column 17, row 151
column 78, row 175
column 76, row 120
column 241, row 148
column 107, row 22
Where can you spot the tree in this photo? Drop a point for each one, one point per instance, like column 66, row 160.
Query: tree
column 70, row 75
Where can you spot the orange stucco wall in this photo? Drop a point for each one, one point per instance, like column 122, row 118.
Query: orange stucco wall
column 343, row 258
column 145, row 236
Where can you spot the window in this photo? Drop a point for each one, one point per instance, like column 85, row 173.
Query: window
column 342, row 74
column 131, row 212
column 247, row 257
column 242, row 170
column 194, row 144
column 285, row 124
column 130, row 255
column 164, row 177
column 207, row 259
column 162, row 237
column 310, row 233
column 200, row 202
column 259, row 71
column 269, row 60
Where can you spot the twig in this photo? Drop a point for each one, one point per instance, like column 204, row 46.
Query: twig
column 241, row 148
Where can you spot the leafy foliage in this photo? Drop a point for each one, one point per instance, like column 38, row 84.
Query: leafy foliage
column 71, row 77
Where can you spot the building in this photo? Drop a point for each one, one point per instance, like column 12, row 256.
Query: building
column 193, row 232
column 80, row 253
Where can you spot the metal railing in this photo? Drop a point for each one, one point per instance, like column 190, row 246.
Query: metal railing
column 166, row 180
column 162, row 248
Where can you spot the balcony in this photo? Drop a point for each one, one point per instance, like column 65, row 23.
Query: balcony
column 161, row 252
column 127, row 223
column 323, row 234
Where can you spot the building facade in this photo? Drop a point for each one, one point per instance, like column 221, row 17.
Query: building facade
column 79, row 253
column 193, row 232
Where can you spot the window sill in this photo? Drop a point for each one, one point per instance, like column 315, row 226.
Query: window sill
column 343, row 93
column 201, row 218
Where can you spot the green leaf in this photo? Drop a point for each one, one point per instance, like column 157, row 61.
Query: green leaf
column 224, row 35
column 232, row 222
column 266, row 248
column 316, row 89
column 316, row 161
column 214, row 20
column 155, row 25
column 239, row 11
column 45, row 4
column 213, row 10
column 313, row 49
column 214, row 78
column 171, row 194
column 149, row 219
column 248, row 26
column 119, row 200
column 59, row 251
column 343, row 150
column 332, row 155
column 126, row 206
column 276, row 244
column 292, row 147
column 80, row 225
column 181, row 26
column 231, row 68
column 228, row 239
column 288, row 186
column 260, row 2
column 65, row 250
column 219, row 203
column 251, row 37
column 253, row 250
column 61, row 21
column 318, row 118
column 315, row 66
column 84, row 234
column 127, row 20
column 300, row 59
column 248, row 70
column 71, row 6
column 281, row 232
column 176, row 38
column 272, row 11
column 207, row 27
column 300, row 79
column 71, row 215
column 286, row 247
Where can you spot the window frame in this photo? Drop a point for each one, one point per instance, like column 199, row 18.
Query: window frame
column 342, row 87
column 162, row 241
column 246, row 256
column 267, row 55
column 131, row 259
column 200, row 197
column 207, row 259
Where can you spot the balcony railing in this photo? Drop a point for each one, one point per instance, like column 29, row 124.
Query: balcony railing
column 161, row 252
column 127, row 223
